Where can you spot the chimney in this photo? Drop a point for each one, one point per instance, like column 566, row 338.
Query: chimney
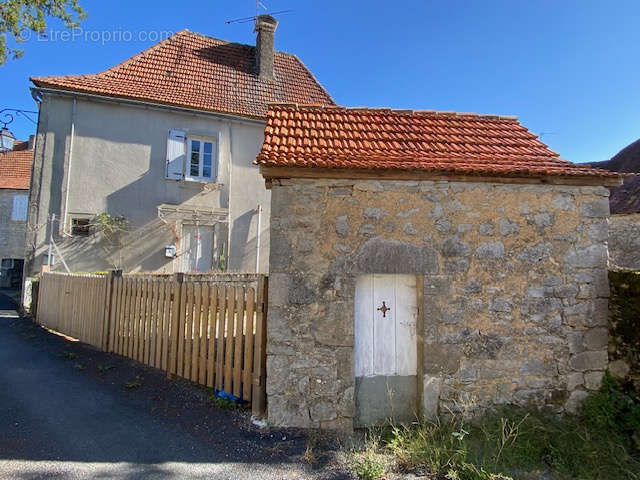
column 266, row 27
column 32, row 142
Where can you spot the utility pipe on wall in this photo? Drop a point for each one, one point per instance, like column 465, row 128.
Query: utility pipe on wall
column 259, row 210
column 72, row 135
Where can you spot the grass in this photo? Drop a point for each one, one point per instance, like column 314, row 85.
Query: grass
column 69, row 355
column 221, row 402
column 104, row 368
column 133, row 384
column 370, row 463
column 513, row 443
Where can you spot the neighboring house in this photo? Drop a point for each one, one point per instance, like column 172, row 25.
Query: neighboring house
column 424, row 262
column 15, row 174
column 167, row 140
column 624, row 228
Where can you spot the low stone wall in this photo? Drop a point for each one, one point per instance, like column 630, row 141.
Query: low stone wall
column 624, row 241
column 514, row 301
column 624, row 328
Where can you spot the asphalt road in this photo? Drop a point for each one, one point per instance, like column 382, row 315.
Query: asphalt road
column 57, row 421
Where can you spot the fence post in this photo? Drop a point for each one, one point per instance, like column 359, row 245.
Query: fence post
column 259, row 391
column 175, row 322
column 110, row 313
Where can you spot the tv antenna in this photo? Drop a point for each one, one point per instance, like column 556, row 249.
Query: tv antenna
column 259, row 5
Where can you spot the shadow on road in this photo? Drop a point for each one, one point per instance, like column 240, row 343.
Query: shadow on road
column 66, row 407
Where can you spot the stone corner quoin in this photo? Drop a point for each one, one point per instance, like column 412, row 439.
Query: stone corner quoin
column 514, row 298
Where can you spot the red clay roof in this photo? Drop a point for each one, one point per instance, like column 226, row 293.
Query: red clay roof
column 15, row 167
column 204, row 73
column 440, row 142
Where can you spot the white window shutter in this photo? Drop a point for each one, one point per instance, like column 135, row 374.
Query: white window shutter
column 19, row 212
column 214, row 162
column 175, row 154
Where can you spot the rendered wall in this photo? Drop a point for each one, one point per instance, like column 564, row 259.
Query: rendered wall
column 12, row 233
column 514, row 298
column 118, row 166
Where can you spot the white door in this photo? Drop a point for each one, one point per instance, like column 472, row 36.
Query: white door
column 197, row 248
column 386, row 310
column 385, row 325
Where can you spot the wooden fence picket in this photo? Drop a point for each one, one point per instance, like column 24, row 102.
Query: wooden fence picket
column 208, row 329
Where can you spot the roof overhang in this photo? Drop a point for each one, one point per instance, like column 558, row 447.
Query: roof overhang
column 149, row 104
column 274, row 173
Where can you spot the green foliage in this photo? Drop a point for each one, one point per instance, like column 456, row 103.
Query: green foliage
column 20, row 16
column 624, row 318
column 514, row 443
column 221, row 402
column 104, row 368
column 133, row 384
column 611, row 412
column 112, row 228
column 69, row 355
column 222, row 259
column 110, row 225
column 369, row 463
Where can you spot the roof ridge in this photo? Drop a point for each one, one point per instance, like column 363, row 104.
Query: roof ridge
column 399, row 111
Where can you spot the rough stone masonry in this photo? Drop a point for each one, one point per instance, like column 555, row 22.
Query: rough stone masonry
column 514, row 301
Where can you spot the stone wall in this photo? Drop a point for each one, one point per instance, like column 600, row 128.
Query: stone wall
column 12, row 233
column 624, row 241
column 515, row 291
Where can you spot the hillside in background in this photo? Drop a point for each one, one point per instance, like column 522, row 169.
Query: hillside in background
column 626, row 198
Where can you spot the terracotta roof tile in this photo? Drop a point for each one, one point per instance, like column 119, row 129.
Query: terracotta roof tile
column 442, row 142
column 200, row 72
column 15, row 167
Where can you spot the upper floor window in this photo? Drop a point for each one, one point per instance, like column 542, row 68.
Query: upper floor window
column 19, row 210
column 202, row 165
column 192, row 157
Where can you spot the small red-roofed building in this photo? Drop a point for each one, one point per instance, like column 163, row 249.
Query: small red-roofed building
column 15, row 176
column 163, row 143
column 428, row 262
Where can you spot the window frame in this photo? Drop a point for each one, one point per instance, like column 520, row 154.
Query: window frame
column 79, row 216
column 13, row 207
column 202, row 139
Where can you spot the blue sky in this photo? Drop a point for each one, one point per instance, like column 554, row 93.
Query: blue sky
column 569, row 69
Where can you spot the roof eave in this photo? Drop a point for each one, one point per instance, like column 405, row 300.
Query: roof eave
column 281, row 172
column 61, row 90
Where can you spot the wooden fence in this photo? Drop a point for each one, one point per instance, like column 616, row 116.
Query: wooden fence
column 210, row 330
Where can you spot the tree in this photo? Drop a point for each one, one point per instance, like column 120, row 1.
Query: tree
column 20, row 16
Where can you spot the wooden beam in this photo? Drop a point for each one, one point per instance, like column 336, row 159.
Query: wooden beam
column 272, row 173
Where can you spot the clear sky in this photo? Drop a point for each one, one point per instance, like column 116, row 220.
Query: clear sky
column 569, row 69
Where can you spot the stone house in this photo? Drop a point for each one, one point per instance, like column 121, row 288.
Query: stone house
column 167, row 140
column 15, row 174
column 425, row 262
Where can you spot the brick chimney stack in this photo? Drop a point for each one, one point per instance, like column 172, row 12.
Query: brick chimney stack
column 266, row 27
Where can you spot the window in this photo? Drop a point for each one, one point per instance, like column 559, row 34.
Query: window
column 80, row 227
column 202, row 160
column 19, row 211
column 192, row 157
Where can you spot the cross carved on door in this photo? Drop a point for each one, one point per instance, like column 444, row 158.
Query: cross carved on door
column 384, row 309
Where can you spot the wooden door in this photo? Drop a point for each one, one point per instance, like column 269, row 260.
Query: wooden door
column 385, row 347
column 197, row 251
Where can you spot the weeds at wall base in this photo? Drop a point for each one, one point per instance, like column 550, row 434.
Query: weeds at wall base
column 514, row 443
